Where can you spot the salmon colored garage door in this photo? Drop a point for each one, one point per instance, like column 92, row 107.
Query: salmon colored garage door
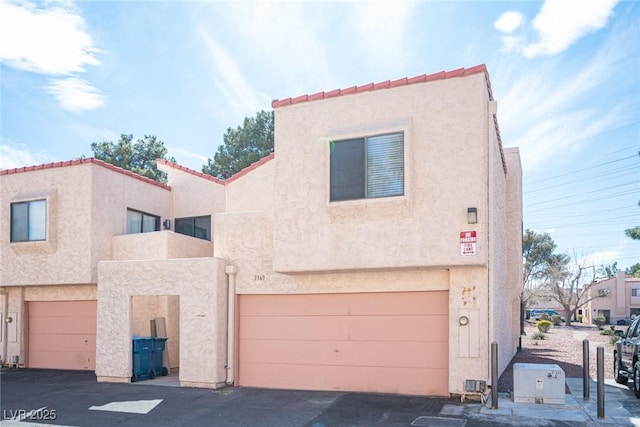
column 62, row 335
column 390, row 342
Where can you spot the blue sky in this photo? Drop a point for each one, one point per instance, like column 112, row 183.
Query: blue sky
column 565, row 73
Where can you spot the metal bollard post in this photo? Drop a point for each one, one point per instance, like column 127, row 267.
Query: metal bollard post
column 600, row 374
column 585, row 369
column 494, row 375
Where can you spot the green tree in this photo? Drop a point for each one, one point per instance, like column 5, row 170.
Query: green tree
column 243, row 146
column 569, row 282
column 537, row 253
column 634, row 233
column 138, row 157
column 608, row 271
column 634, row 270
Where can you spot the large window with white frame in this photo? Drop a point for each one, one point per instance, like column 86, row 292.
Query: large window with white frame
column 29, row 221
column 141, row 222
column 367, row 167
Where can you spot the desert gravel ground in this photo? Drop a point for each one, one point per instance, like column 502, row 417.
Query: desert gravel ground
column 562, row 346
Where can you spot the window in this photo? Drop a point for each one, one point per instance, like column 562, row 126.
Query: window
column 367, row 167
column 198, row 226
column 140, row 222
column 29, row 221
column 635, row 292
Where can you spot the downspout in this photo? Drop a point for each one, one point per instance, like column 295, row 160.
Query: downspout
column 231, row 271
column 491, row 109
column 5, row 326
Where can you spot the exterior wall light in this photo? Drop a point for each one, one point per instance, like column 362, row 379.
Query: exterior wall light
column 472, row 215
column 167, row 224
column 8, row 319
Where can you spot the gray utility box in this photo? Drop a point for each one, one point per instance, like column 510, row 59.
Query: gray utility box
column 538, row 383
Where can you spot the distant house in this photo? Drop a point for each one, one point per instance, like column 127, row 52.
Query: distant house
column 378, row 250
column 615, row 299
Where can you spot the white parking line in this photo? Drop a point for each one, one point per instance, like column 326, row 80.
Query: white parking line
column 131, row 407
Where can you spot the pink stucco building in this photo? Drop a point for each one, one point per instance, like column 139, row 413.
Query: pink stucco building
column 378, row 250
column 616, row 299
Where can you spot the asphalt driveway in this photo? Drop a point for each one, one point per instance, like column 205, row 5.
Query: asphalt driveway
column 74, row 398
column 35, row 397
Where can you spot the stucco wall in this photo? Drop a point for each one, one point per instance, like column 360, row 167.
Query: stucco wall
column 64, row 256
column 445, row 140
column 193, row 195
column 502, row 323
column 253, row 191
column 159, row 245
column 514, row 237
column 86, row 206
column 112, row 194
column 201, row 285
column 619, row 300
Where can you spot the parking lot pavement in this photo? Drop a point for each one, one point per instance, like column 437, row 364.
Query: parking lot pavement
column 32, row 397
column 74, row 398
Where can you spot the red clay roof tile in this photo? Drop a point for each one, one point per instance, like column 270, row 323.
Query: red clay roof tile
column 382, row 85
column 89, row 160
column 213, row 178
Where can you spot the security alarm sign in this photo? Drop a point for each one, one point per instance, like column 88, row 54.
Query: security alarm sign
column 468, row 243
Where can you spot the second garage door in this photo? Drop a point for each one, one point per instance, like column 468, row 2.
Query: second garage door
column 62, row 334
column 395, row 342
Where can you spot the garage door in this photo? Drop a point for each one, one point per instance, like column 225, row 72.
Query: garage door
column 394, row 342
column 62, row 335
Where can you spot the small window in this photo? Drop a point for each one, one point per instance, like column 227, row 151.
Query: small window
column 140, row 222
column 198, row 226
column 367, row 167
column 29, row 221
column 635, row 292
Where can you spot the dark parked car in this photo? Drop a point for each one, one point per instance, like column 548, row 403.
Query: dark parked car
column 626, row 360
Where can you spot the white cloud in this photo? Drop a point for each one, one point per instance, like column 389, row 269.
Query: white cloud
column 187, row 158
column 558, row 106
column 381, row 30
column 49, row 41
column 14, row 155
column 511, row 43
column 561, row 23
column 283, row 39
column 624, row 252
column 75, row 94
column 238, row 93
column 508, row 22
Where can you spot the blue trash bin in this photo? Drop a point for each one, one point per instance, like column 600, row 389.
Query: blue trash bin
column 158, row 345
column 142, row 350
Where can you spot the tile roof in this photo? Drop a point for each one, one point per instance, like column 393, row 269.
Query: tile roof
column 442, row 75
column 217, row 180
column 89, row 160
column 388, row 84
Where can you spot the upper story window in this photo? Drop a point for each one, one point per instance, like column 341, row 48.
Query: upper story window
column 367, row 167
column 140, row 222
column 198, row 226
column 29, row 221
column 635, row 292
